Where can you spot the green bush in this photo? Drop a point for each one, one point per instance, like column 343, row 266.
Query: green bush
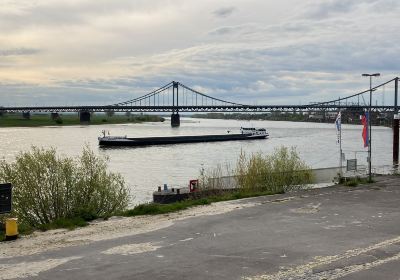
column 48, row 188
column 282, row 171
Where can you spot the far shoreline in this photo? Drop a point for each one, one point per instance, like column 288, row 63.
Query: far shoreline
column 46, row 120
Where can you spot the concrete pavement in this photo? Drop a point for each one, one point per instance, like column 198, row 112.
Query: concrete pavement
column 332, row 233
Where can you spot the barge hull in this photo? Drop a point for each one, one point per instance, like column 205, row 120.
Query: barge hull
column 149, row 141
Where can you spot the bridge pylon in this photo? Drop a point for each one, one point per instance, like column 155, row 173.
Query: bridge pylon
column 396, row 124
column 175, row 118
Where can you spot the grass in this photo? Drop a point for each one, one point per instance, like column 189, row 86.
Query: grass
column 353, row 182
column 140, row 210
column 68, row 223
column 16, row 120
column 156, row 209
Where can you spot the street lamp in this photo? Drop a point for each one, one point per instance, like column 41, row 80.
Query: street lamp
column 370, row 122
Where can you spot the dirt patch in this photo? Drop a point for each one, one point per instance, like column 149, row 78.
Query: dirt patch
column 131, row 249
column 308, row 209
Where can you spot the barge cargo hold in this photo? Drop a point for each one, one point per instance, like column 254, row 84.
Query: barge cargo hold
column 246, row 134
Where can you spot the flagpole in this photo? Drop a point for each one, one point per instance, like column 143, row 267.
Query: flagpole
column 338, row 123
column 340, row 145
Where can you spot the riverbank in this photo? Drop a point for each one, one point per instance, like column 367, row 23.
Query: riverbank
column 37, row 120
column 348, row 117
column 338, row 232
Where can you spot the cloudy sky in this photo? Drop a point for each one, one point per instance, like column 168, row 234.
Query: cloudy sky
column 250, row 51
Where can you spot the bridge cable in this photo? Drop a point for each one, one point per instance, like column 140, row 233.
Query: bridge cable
column 360, row 93
column 209, row 97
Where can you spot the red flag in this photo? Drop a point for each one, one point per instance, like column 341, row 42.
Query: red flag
column 365, row 136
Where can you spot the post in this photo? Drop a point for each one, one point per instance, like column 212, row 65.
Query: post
column 396, row 125
column 338, row 123
column 11, row 229
column 370, row 130
column 370, row 123
column 340, row 148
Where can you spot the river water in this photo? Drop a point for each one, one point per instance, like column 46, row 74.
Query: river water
column 147, row 167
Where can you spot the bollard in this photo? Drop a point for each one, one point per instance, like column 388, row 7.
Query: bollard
column 178, row 191
column 173, row 189
column 11, row 229
column 159, row 188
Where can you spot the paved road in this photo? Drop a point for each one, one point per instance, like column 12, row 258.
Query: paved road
column 333, row 233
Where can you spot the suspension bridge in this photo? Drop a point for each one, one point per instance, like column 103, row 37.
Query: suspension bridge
column 176, row 97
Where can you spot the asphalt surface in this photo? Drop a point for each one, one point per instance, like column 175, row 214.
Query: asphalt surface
column 332, row 233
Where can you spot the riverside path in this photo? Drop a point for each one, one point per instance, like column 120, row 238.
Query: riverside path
column 332, row 233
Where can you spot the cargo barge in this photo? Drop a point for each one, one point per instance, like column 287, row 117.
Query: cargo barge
column 245, row 134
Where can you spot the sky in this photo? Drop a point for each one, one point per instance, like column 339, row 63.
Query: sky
column 97, row 52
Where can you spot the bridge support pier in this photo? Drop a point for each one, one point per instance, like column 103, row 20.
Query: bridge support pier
column 26, row 115
column 175, row 119
column 54, row 116
column 84, row 117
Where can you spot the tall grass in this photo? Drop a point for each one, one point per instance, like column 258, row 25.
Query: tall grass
column 48, row 188
column 279, row 172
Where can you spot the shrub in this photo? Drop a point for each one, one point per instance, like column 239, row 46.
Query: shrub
column 49, row 188
column 282, row 171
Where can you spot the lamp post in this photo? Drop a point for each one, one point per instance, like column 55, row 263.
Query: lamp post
column 370, row 122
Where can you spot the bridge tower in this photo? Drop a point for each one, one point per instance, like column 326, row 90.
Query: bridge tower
column 175, row 118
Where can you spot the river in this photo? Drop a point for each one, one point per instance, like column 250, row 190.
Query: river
column 146, row 168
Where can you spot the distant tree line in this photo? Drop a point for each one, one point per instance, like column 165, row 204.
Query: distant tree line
column 349, row 117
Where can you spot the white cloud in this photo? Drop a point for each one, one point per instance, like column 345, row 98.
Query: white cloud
column 244, row 51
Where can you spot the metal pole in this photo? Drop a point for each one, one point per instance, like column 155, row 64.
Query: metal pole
column 370, row 123
column 370, row 129
column 340, row 145
column 396, row 125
